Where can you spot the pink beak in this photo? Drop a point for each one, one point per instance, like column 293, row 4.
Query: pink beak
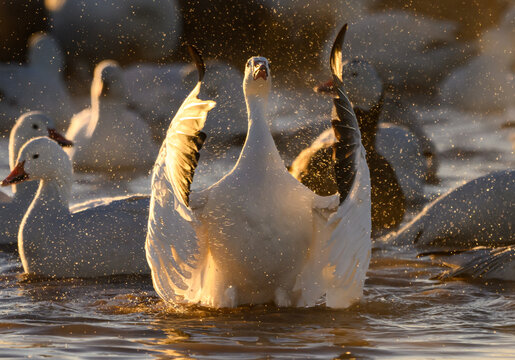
column 16, row 176
column 58, row 138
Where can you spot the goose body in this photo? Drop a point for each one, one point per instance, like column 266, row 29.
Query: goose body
column 257, row 235
column 109, row 138
column 487, row 82
column 55, row 242
column 37, row 85
column 478, row 213
column 28, row 126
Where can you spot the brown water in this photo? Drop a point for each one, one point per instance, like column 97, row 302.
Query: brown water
column 403, row 314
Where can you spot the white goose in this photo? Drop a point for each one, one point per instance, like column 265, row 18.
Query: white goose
column 55, row 242
column 402, row 148
column 108, row 137
column 258, row 235
column 37, row 85
column 28, row 126
column 487, row 82
column 478, row 213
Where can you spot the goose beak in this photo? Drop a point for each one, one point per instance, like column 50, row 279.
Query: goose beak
column 260, row 72
column 58, row 138
column 16, row 176
column 325, row 88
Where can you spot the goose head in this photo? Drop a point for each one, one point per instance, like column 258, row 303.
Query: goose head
column 257, row 80
column 108, row 82
column 32, row 125
column 362, row 83
column 40, row 159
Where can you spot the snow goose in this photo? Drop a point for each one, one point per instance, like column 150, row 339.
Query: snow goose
column 487, row 82
column 478, row 213
column 478, row 263
column 37, row 85
column 123, row 31
column 258, row 235
column 157, row 91
column 109, row 138
column 310, row 167
column 408, row 51
column 54, row 242
column 28, row 126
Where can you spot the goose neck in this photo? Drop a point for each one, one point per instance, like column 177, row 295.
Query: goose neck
column 53, row 195
column 259, row 145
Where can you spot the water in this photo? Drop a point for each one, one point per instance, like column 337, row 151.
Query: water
column 403, row 314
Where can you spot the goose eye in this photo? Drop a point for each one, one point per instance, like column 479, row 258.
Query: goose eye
column 35, row 126
column 249, row 62
column 35, row 156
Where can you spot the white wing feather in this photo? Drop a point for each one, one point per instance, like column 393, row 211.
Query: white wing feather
column 341, row 248
column 172, row 244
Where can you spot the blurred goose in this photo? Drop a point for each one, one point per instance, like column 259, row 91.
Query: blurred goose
column 478, row 213
column 30, row 125
column 407, row 50
column 124, row 31
column 157, row 91
column 37, row 85
column 478, row 263
column 487, row 82
column 55, row 242
column 109, row 138
column 258, row 235
column 394, row 156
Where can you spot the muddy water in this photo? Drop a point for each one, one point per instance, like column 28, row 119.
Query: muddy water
column 404, row 313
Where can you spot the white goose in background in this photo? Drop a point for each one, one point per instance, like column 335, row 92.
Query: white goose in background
column 406, row 50
column 28, row 126
column 37, row 85
column 109, row 138
column 258, row 235
column 125, row 31
column 157, row 91
column 55, row 242
column 487, row 82
column 399, row 146
column 478, row 213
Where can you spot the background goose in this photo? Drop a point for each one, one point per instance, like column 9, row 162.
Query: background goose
column 397, row 166
column 258, row 235
column 28, row 126
column 36, row 85
column 128, row 31
column 478, row 213
column 110, row 138
column 54, row 242
column 487, row 82
column 420, row 51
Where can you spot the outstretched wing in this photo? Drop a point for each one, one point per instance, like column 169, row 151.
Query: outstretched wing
column 172, row 245
column 340, row 254
column 497, row 263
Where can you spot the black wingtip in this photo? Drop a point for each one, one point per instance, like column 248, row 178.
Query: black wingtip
column 336, row 52
column 199, row 62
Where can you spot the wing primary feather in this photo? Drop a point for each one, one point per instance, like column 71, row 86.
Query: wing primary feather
column 345, row 125
column 199, row 62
